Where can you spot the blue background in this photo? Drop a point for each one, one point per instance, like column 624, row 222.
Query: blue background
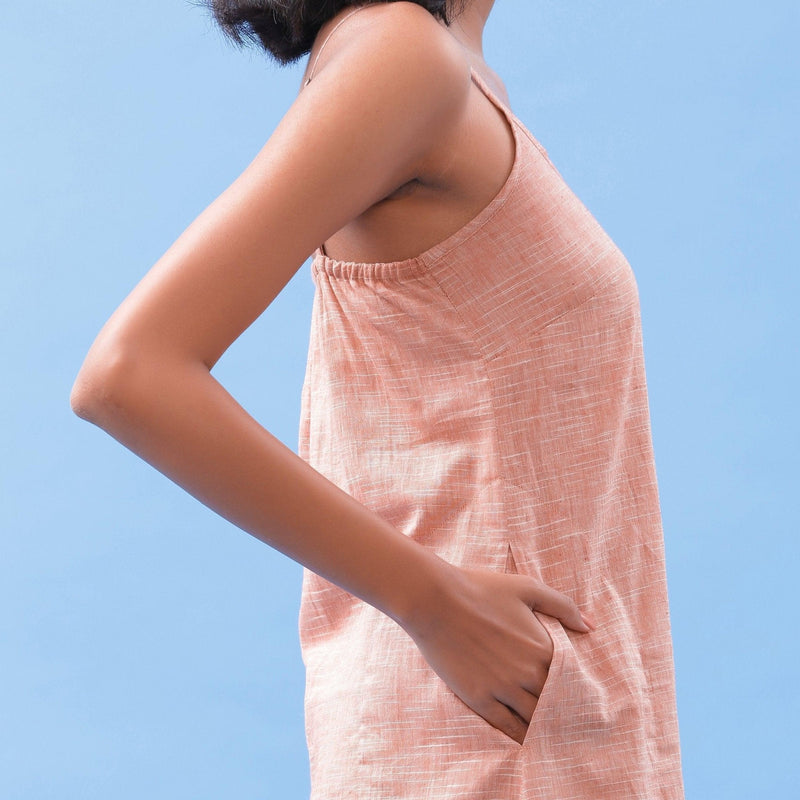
column 148, row 648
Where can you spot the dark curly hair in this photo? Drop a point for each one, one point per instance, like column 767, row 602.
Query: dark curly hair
column 286, row 29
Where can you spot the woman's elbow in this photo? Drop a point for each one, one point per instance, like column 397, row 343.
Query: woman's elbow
column 102, row 383
column 79, row 398
column 87, row 396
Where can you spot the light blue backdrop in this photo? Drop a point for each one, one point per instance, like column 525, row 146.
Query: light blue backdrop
column 147, row 647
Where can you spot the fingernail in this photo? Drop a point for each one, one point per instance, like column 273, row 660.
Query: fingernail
column 589, row 625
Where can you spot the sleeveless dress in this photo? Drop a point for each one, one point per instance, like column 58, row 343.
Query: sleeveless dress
column 488, row 399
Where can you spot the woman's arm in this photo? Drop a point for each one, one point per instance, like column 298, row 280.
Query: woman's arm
column 146, row 379
column 356, row 133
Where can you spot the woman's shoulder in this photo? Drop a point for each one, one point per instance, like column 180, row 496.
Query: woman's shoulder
column 396, row 43
column 398, row 17
column 398, row 12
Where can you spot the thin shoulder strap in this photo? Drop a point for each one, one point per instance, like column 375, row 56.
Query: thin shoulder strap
column 319, row 52
column 483, row 85
column 512, row 118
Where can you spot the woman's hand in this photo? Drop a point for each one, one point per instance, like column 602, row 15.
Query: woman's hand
column 487, row 645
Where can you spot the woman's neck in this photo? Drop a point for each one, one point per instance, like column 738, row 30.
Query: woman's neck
column 467, row 29
column 467, row 25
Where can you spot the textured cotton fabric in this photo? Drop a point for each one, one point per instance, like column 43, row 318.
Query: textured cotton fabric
column 488, row 399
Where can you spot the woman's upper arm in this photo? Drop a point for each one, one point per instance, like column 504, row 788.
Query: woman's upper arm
column 359, row 130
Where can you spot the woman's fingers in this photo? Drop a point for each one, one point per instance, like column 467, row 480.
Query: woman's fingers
column 522, row 702
column 500, row 716
column 483, row 640
column 541, row 597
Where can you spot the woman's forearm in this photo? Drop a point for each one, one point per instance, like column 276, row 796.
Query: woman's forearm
column 473, row 627
column 176, row 416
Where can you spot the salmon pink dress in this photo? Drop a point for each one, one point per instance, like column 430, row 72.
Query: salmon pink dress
column 488, row 398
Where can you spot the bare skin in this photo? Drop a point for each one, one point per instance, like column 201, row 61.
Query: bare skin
column 331, row 172
column 453, row 183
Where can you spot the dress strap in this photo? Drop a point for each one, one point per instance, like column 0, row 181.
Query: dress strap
column 483, row 85
column 512, row 118
column 319, row 52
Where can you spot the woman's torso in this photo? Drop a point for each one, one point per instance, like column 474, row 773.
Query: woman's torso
column 485, row 393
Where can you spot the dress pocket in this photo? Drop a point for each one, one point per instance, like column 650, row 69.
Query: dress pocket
column 545, row 712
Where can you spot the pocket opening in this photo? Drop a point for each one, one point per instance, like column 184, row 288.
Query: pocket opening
column 511, row 564
column 555, row 630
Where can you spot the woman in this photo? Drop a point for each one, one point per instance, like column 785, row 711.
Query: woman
column 475, row 455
